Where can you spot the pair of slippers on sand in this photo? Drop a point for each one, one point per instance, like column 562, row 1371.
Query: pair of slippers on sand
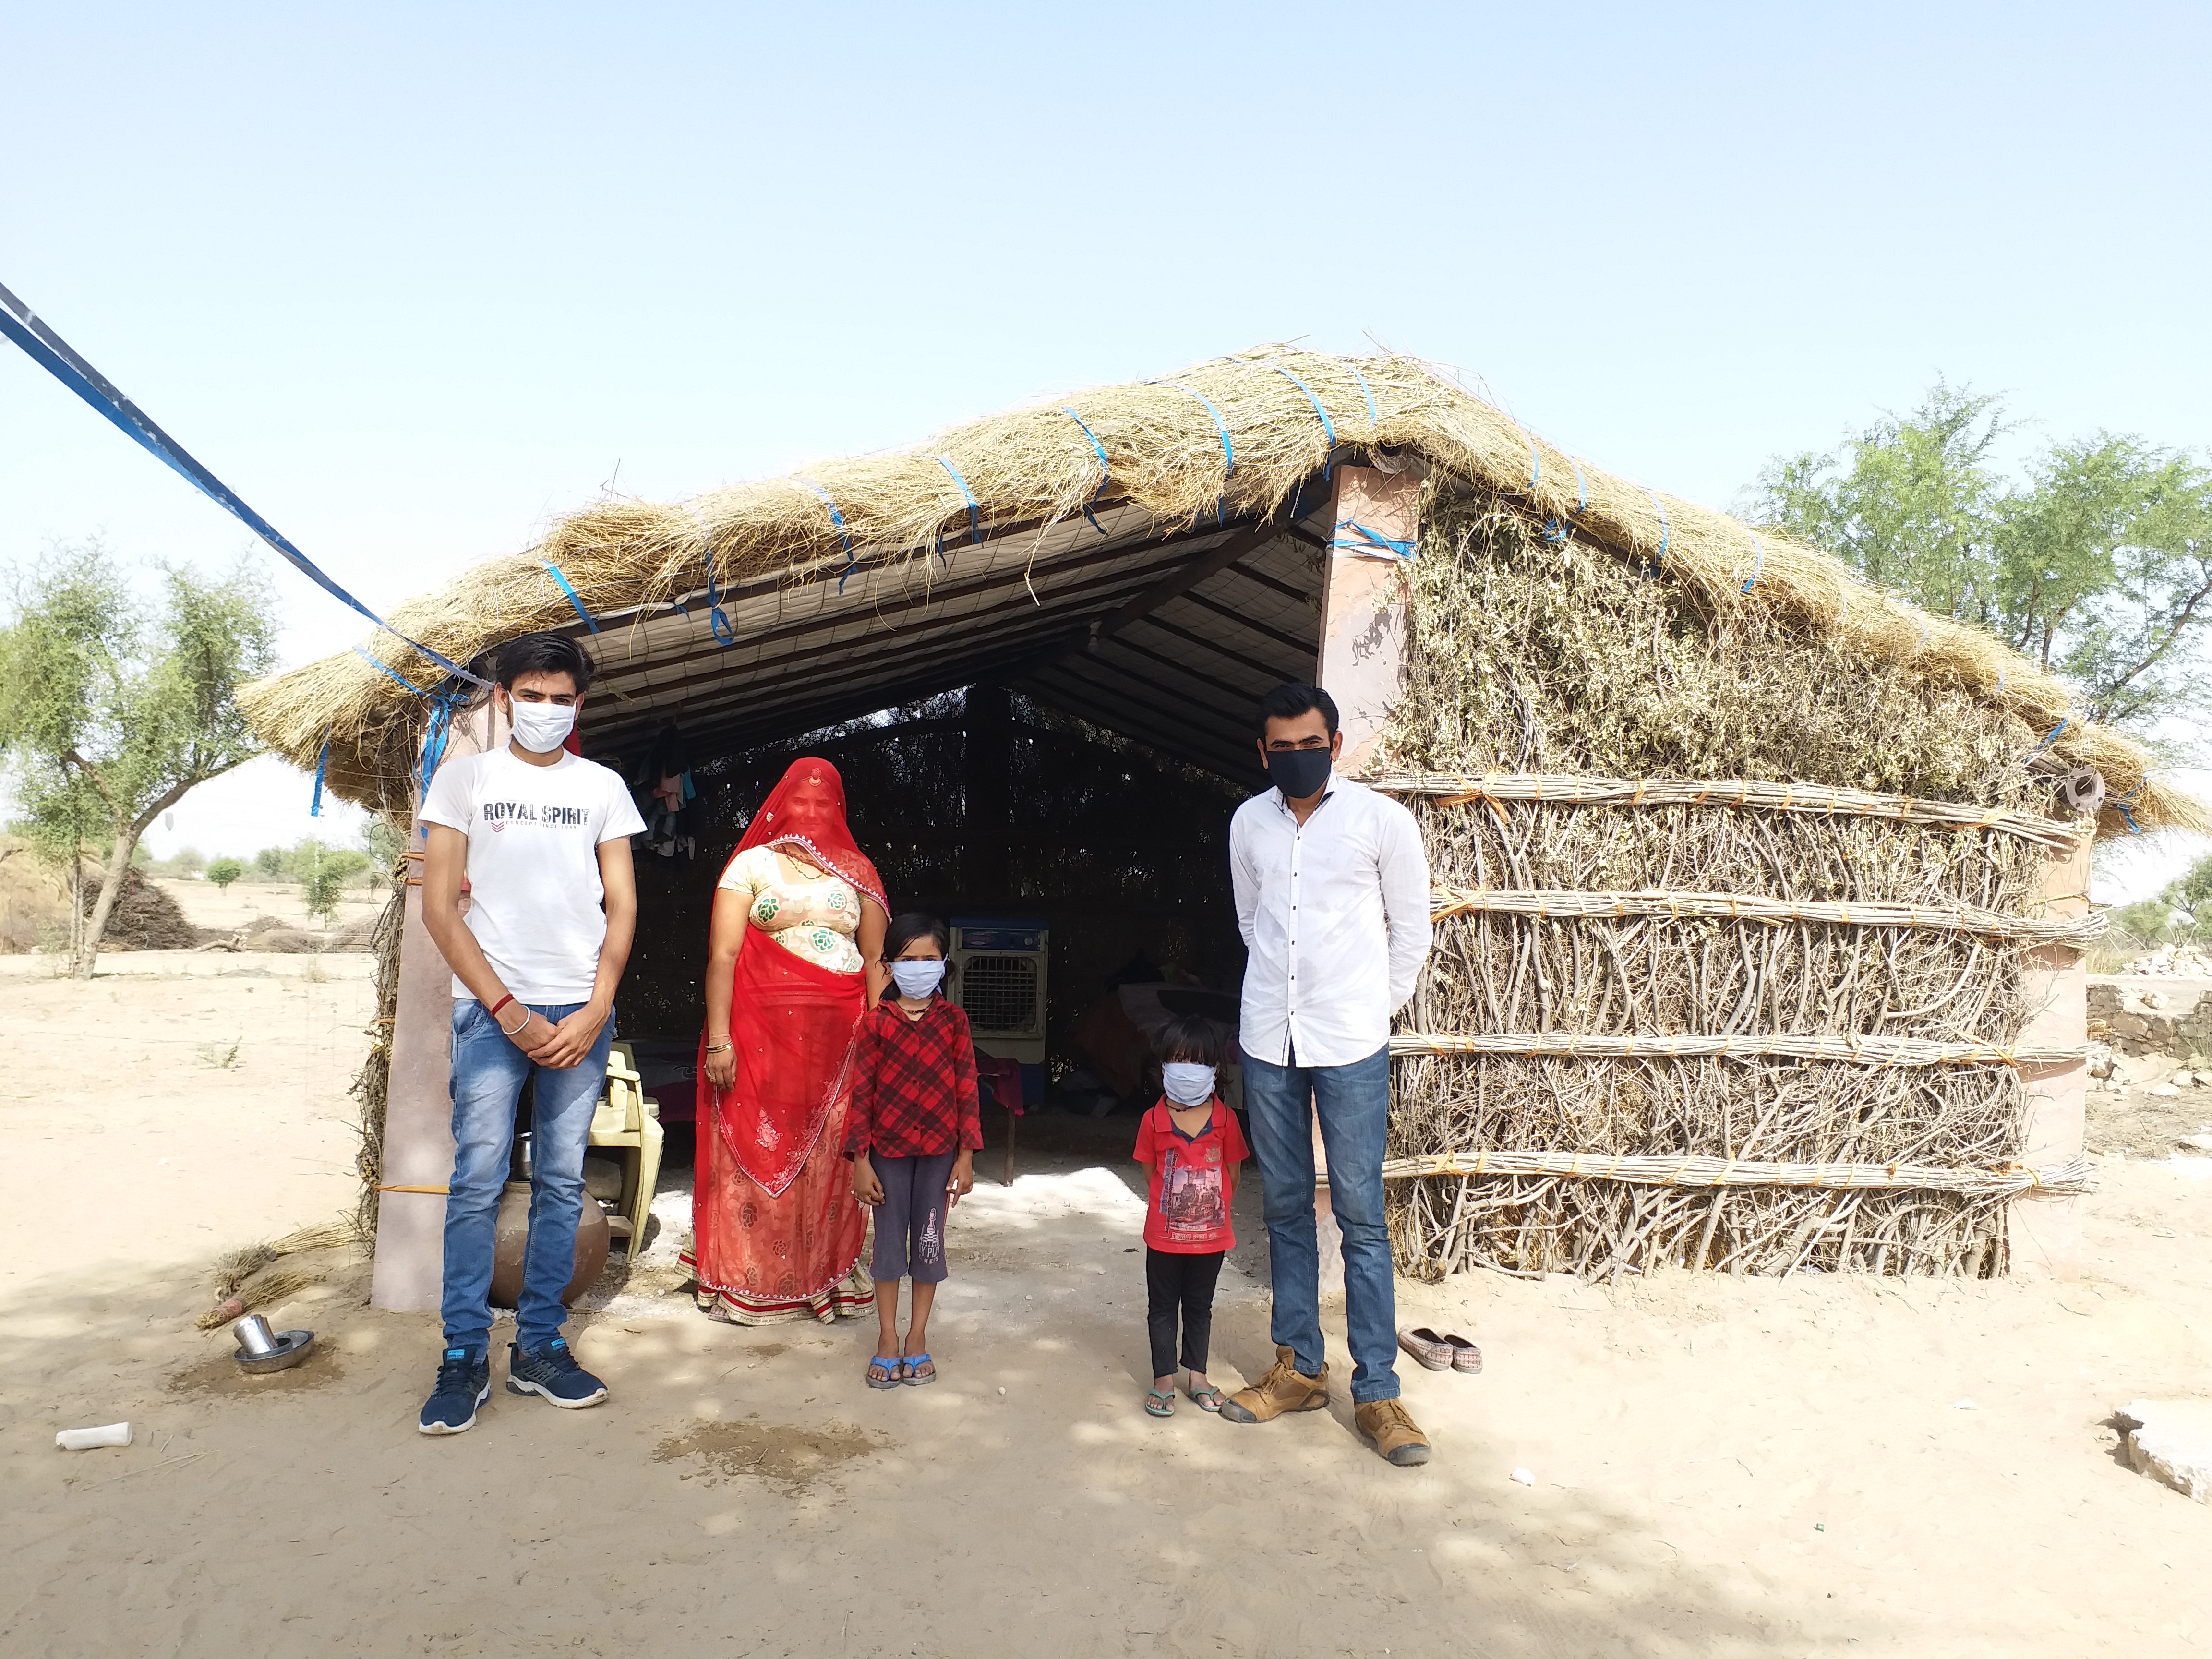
column 1447, row 1352
column 898, row 1370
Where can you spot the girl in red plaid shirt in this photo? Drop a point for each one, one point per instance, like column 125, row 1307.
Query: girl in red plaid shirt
column 912, row 1133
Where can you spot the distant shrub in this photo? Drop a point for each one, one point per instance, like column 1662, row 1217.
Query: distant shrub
column 223, row 872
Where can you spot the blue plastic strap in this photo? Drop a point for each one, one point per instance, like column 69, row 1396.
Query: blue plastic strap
column 1105, row 467
column 1535, row 461
column 1363, row 392
column 554, row 571
column 837, row 519
column 1661, row 561
column 2053, row 736
column 1328, row 426
column 1555, row 531
column 52, row 353
column 1228, row 449
column 377, row 662
column 974, row 512
column 1364, row 540
column 442, row 706
column 323, row 760
column 1757, row 561
column 2121, row 803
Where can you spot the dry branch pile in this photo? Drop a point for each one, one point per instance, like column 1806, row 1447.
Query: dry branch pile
column 1817, row 972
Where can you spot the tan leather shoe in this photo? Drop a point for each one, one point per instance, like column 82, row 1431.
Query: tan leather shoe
column 1395, row 1433
column 1284, row 1388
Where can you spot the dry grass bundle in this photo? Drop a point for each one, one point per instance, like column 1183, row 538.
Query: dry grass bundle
column 237, row 1290
column 1238, row 436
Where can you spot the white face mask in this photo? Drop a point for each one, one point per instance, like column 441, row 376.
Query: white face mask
column 919, row 978
column 542, row 727
column 1187, row 1084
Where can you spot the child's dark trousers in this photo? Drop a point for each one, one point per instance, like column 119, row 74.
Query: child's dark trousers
column 1181, row 1284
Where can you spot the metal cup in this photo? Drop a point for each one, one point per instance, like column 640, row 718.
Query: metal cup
column 254, row 1336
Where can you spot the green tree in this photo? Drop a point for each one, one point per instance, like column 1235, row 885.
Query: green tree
column 223, row 872
column 270, row 863
column 383, row 843
column 324, row 872
column 2098, row 564
column 2148, row 920
column 110, row 711
column 2192, row 895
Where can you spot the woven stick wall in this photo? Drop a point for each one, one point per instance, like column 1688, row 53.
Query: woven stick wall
column 1731, row 933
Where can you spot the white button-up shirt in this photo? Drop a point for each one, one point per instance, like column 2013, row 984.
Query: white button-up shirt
column 1335, row 919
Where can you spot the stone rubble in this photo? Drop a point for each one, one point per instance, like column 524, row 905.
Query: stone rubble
column 2171, row 1441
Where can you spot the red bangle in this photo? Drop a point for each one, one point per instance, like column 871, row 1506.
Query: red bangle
column 494, row 1010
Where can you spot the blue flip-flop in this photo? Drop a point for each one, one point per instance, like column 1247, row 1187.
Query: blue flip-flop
column 893, row 1365
column 910, row 1361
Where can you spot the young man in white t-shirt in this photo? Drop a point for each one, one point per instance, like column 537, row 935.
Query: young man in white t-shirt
column 543, row 838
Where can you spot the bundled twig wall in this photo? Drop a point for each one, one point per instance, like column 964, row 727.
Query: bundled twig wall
column 373, row 1083
column 1712, row 896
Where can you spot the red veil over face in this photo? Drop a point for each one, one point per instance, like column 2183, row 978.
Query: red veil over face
column 791, row 1020
column 806, row 810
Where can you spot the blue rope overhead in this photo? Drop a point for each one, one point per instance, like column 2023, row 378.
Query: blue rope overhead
column 1757, row 561
column 322, row 761
column 1105, row 467
column 554, row 571
column 378, row 663
column 837, row 519
column 974, row 512
column 53, row 354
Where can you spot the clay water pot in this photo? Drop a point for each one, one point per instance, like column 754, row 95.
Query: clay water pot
column 511, row 1230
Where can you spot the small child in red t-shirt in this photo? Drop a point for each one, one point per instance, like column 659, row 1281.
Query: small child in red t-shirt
column 1191, row 1146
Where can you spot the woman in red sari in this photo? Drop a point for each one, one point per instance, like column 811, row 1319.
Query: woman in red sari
column 794, row 958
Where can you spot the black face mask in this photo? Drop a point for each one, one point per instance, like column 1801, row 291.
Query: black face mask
column 1298, row 772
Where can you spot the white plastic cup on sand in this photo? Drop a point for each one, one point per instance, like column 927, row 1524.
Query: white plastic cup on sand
column 110, row 1434
column 1525, row 1477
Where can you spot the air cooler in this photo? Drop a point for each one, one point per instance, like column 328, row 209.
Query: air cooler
column 1000, row 965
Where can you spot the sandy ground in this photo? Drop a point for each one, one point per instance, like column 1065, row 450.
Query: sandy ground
column 1815, row 1466
column 206, row 905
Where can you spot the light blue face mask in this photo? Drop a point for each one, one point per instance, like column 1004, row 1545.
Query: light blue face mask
column 918, row 979
column 1186, row 1084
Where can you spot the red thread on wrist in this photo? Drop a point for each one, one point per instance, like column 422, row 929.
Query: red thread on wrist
column 501, row 1003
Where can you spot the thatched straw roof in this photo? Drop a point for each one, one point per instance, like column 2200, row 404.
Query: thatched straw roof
column 1231, row 442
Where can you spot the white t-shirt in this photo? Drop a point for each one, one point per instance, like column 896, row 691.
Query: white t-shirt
column 536, row 902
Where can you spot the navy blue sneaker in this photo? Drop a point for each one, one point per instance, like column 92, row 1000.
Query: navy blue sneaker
column 552, row 1371
column 463, row 1384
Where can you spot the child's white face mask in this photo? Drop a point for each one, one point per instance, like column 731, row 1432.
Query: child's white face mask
column 1186, row 1084
column 918, row 979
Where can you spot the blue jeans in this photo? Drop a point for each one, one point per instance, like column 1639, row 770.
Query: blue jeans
column 1354, row 1104
column 488, row 1075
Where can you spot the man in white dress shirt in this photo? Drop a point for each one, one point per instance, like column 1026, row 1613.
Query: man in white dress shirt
column 1332, row 899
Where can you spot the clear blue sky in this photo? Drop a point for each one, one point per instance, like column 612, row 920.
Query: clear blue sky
column 415, row 279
